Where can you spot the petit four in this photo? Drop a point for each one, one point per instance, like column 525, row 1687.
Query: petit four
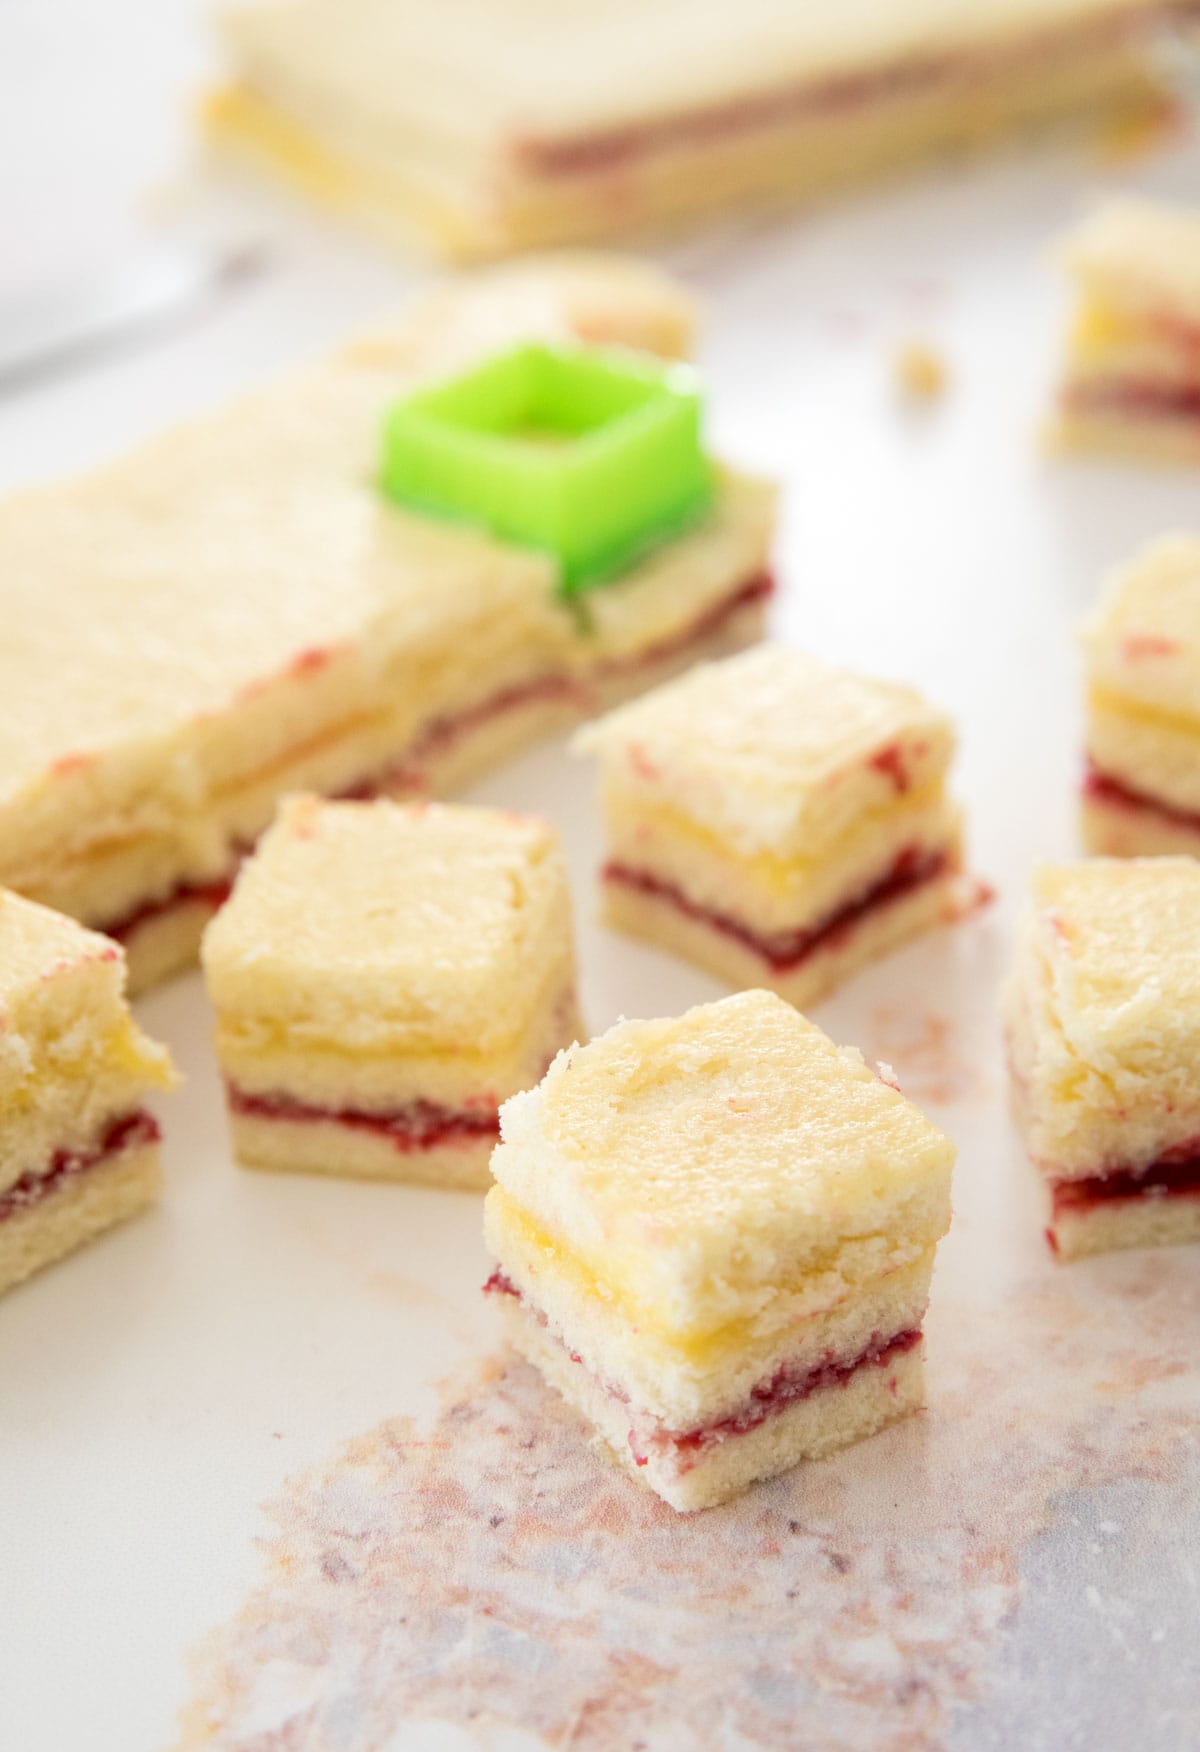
column 714, row 1237
column 79, row 1152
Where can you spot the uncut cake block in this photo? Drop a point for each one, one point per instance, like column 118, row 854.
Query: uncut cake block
column 1102, row 1017
column 79, row 1152
column 1132, row 380
column 484, row 126
column 779, row 822
column 384, row 975
column 235, row 611
column 1141, row 788
column 714, row 1236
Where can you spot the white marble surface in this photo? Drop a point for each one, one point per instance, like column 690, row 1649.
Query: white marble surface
column 1020, row 1571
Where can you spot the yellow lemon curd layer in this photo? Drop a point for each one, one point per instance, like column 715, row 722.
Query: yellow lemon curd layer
column 776, row 873
column 1141, row 712
column 699, row 1346
column 1098, row 328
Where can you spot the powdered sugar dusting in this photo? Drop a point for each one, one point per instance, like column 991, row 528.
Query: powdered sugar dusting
column 494, row 1570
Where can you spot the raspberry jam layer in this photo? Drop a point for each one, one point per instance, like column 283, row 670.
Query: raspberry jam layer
column 419, row 1125
column 787, row 950
column 1138, row 398
column 211, row 895
column 1099, row 787
column 787, row 1386
column 129, row 1133
column 1174, row 1175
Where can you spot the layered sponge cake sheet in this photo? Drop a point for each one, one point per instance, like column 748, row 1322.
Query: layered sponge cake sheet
column 1132, row 379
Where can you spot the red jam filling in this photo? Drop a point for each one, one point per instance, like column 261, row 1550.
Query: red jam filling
column 1174, row 1175
column 760, row 588
column 129, row 1133
column 619, row 149
column 420, row 1125
column 1099, row 787
column 1141, row 398
column 212, row 895
column 442, row 733
column 789, row 949
column 788, row 1385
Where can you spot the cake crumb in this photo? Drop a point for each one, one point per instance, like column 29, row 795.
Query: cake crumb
column 921, row 372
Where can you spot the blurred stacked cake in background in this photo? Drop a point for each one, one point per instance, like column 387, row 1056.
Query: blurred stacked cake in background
column 479, row 127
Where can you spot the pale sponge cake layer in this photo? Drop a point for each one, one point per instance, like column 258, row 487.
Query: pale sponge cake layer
column 387, row 926
column 1110, row 1224
column 695, row 1166
column 383, row 973
column 72, row 1060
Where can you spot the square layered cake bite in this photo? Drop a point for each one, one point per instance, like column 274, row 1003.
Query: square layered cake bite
column 780, row 822
column 1132, row 382
column 714, row 1236
column 1141, row 790
column 1103, row 1021
column 78, row 1150
column 384, row 975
